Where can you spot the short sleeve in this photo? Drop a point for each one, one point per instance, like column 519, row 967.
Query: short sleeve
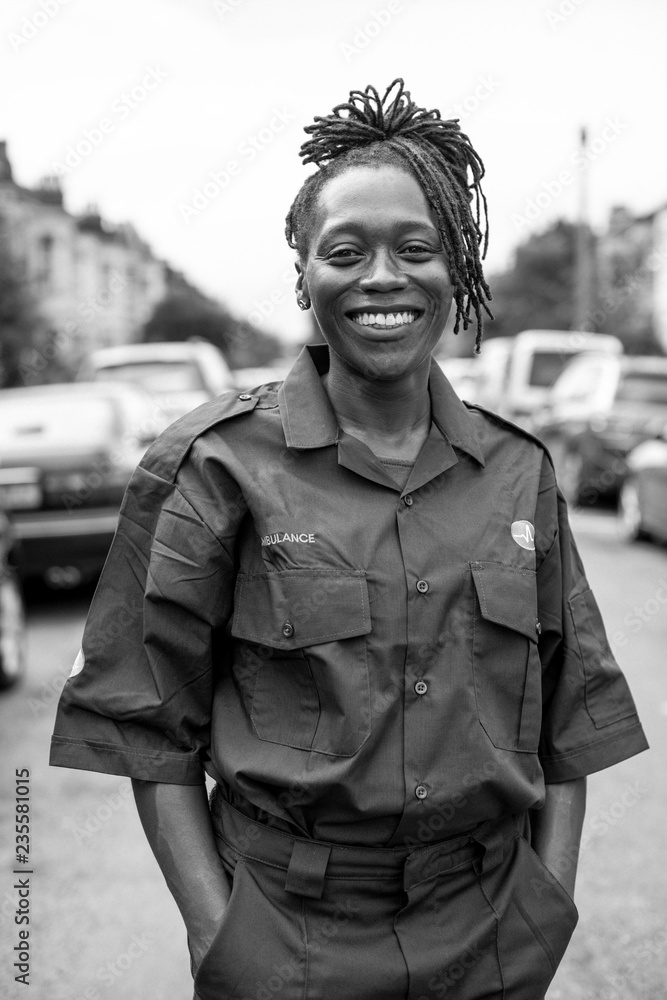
column 138, row 702
column 589, row 717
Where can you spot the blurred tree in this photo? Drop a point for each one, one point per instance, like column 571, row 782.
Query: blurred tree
column 20, row 327
column 185, row 314
column 626, row 304
column 537, row 292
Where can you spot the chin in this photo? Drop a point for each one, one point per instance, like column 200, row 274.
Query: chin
column 387, row 369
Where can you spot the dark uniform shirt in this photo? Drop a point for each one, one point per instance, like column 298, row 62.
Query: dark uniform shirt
column 352, row 659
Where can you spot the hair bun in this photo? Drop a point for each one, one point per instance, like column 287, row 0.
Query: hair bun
column 366, row 118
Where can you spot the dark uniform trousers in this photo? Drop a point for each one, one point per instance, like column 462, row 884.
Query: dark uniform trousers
column 475, row 917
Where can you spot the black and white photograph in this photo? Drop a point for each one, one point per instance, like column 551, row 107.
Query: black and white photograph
column 333, row 500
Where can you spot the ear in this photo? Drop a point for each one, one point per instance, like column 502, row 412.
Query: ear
column 301, row 282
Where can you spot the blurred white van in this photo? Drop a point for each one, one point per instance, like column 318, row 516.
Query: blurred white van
column 515, row 374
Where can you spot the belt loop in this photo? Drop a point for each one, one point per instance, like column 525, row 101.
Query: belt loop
column 307, row 868
column 491, row 838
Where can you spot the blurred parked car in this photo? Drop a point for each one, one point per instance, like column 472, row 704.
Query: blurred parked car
column 12, row 613
column 66, row 455
column 642, row 504
column 463, row 376
column 251, row 378
column 600, row 408
column 516, row 373
column 182, row 374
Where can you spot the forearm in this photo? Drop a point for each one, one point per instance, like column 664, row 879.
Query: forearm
column 177, row 823
column 556, row 829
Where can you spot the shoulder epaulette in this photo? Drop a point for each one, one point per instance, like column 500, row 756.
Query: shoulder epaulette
column 166, row 454
column 509, row 425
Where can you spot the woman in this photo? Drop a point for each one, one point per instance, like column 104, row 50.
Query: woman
column 356, row 603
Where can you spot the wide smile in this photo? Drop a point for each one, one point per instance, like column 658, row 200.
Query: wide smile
column 385, row 320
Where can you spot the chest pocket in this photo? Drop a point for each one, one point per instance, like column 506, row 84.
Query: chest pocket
column 310, row 685
column 505, row 660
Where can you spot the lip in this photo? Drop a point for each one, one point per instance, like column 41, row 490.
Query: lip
column 385, row 332
column 385, row 310
column 377, row 333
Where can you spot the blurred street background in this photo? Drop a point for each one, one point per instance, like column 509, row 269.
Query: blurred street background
column 148, row 157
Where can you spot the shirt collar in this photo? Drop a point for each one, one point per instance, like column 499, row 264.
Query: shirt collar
column 310, row 422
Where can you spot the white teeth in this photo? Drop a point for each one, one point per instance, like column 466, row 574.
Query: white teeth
column 384, row 319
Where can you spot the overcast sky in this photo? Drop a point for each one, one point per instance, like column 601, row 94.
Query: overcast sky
column 157, row 95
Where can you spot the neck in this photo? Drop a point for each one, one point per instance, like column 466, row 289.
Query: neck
column 391, row 416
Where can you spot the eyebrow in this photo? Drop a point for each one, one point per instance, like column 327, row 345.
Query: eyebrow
column 355, row 227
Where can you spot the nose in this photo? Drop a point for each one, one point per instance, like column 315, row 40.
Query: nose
column 383, row 274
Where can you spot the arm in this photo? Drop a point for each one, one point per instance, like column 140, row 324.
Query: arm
column 177, row 823
column 556, row 829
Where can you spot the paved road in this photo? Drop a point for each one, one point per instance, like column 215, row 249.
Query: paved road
column 104, row 928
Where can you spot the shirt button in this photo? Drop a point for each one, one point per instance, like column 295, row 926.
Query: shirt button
column 422, row 586
column 408, row 501
column 288, row 630
column 244, row 396
column 421, row 687
column 421, row 792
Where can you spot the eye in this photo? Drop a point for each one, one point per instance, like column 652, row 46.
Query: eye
column 343, row 255
column 418, row 250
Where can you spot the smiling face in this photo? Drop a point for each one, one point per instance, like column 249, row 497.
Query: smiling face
column 376, row 271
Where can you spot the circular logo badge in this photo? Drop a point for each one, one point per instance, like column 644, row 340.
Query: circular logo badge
column 523, row 534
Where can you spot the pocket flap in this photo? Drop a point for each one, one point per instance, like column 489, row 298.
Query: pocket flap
column 301, row 607
column 507, row 596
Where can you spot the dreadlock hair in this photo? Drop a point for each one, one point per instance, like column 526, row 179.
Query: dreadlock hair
column 372, row 131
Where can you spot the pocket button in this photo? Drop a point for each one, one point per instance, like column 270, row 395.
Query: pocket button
column 288, row 630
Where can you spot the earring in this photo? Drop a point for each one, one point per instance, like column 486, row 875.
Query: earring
column 302, row 303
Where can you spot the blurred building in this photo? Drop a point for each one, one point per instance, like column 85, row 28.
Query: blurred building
column 93, row 284
column 659, row 269
column 632, row 279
